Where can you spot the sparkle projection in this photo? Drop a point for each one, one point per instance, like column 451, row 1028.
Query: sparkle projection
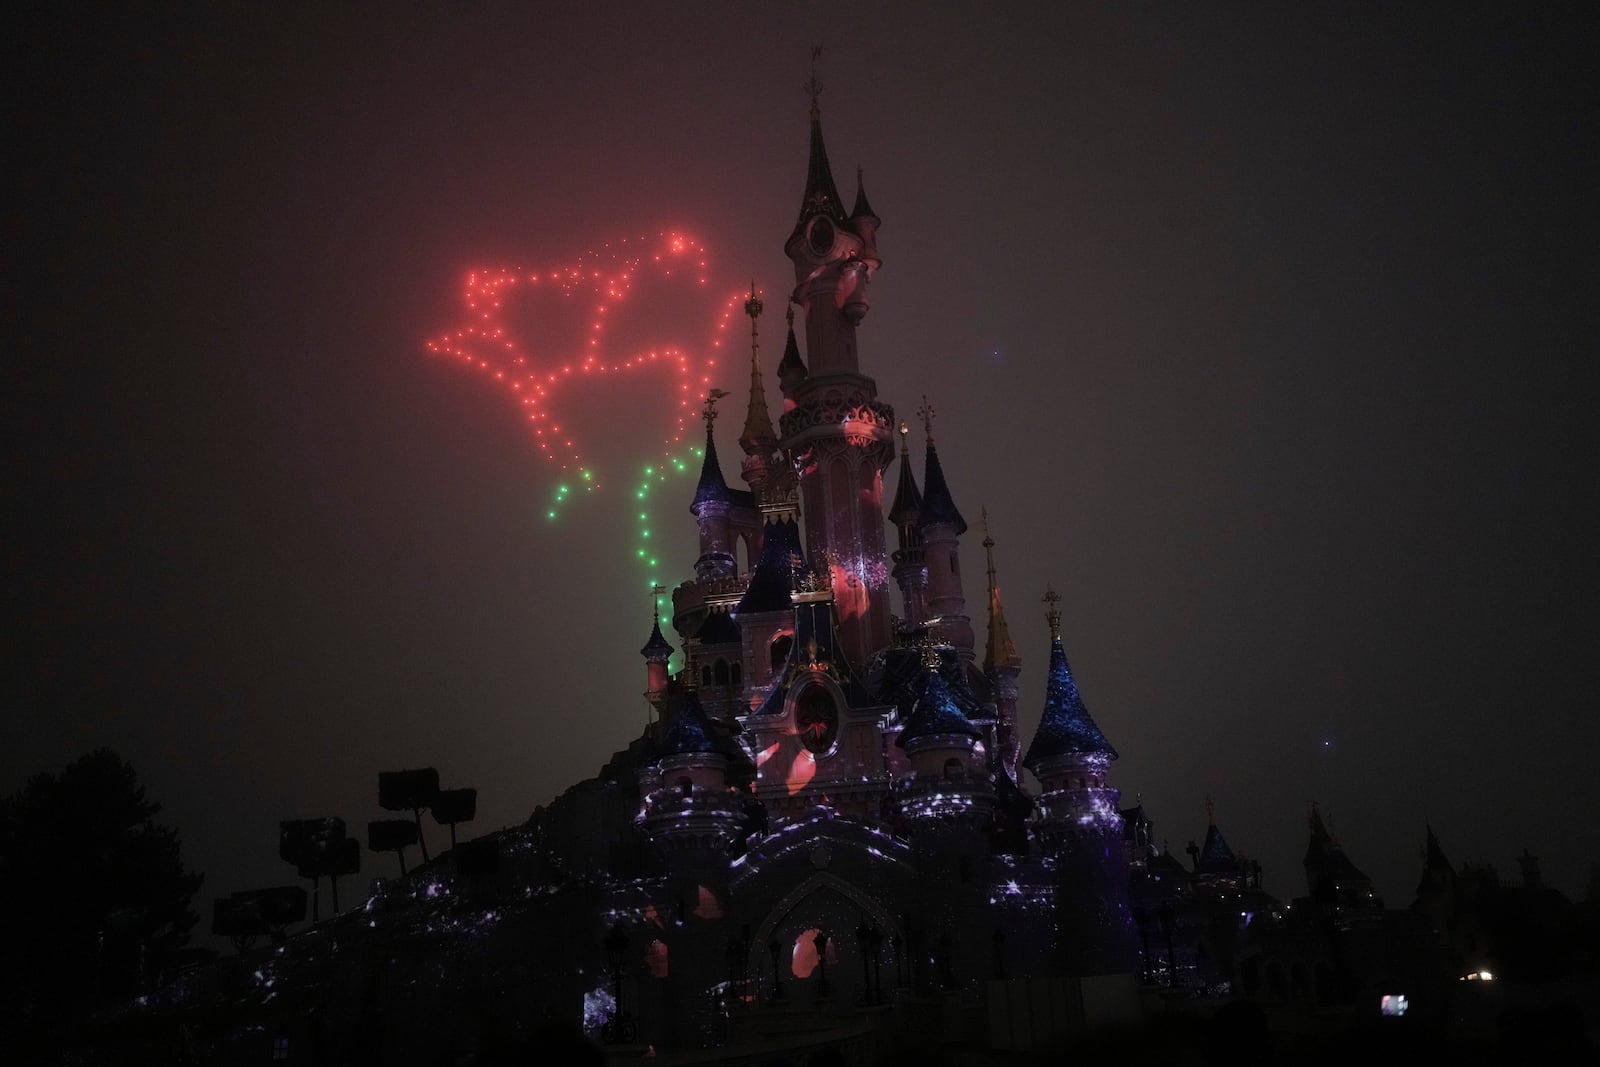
column 536, row 364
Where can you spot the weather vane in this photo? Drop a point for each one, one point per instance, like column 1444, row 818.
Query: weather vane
column 710, row 413
column 1052, row 614
column 655, row 600
column 925, row 413
column 812, row 86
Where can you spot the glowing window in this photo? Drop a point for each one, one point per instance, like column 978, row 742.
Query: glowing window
column 780, row 650
column 804, row 960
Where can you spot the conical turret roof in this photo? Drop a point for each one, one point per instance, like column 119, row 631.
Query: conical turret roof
column 712, row 489
column 1066, row 725
column 822, row 195
column 907, row 497
column 691, row 731
column 791, row 368
column 862, row 209
column 937, row 505
column 1215, row 855
column 657, row 647
column 935, row 712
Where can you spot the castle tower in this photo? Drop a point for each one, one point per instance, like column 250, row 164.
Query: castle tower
column 941, row 527
column 656, row 652
column 712, row 505
column 1003, row 667
column 1079, row 823
column 836, row 425
column 910, row 572
column 949, row 781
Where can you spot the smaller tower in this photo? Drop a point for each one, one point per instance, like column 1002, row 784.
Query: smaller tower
column 1079, row 824
column 713, row 501
column 656, row 652
column 910, row 570
column 948, row 779
column 941, row 526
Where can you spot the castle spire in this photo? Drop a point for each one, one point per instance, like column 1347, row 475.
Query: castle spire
column 711, row 489
column 938, row 507
column 1001, row 651
column 759, row 439
column 822, row 195
column 1066, row 725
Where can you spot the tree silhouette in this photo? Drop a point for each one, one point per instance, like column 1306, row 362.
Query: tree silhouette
column 249, row 914
column 96, row 893
column 412, row 791
column 392, row 835
column 453, row 806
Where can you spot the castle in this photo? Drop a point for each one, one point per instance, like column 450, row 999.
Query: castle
column 827, row 806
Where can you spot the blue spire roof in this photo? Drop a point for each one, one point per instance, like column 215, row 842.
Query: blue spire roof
column 657, row 647
column 935, row 712
column 1066, row 725
column 937, row 506
column 712, row 489
column 691, row 732
column 1215, row 855
column 773, row 578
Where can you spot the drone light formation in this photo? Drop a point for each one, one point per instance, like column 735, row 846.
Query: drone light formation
column 534, row 371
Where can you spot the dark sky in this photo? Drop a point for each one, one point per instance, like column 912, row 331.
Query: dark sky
column 1265, row 332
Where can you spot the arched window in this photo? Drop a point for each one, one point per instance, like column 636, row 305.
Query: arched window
column 780, row 650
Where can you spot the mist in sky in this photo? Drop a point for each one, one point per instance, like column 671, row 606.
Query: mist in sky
column 1262, row 333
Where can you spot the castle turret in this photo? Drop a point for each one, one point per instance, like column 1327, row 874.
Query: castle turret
column 910, row 571
column 656, row 652
column 833, row 421
column 941, row 527
column 948, row 779
column 712, row 504
column 1079, row 824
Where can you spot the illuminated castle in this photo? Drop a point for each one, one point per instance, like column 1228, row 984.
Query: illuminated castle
column 827, row 806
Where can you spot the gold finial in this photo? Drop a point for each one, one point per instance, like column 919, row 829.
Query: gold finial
column 710, row 412
column 1052, row 614
column 814, row 87
column 925, row 413
column 655, row 600
column 905, row 432
column 931, row 659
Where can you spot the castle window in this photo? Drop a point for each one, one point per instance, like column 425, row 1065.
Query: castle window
column 780, row 651
column 685, row 786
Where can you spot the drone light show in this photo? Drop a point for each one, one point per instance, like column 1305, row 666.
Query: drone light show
column 538, row 335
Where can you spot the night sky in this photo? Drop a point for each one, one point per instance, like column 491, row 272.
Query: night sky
column 1264, row 332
